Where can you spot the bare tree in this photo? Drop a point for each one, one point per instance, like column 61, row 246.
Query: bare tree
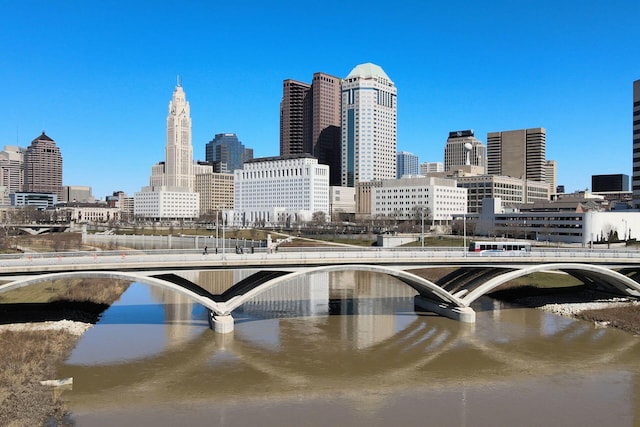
column 318, row 218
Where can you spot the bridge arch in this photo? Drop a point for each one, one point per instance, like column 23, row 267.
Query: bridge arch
column 153, row 281
column 424, row 287
column 610, row 278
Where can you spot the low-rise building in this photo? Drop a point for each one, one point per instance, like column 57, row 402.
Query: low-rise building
column 161, row 204
column 83, row 213
column 439, row 199
column 564, row 224
column 39, row 200
column 342, row 203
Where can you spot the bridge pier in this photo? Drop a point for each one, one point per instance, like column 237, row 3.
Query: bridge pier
column 222, row 324
column 462, row 314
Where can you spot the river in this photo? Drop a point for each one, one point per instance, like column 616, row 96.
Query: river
column 346, row 349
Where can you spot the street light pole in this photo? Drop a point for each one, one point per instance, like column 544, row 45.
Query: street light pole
column 464, row 233
column 223, row 221
column 422, row 232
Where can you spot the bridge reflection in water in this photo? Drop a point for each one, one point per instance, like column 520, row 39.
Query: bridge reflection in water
column 289, row 345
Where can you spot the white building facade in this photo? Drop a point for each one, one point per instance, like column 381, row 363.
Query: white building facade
column 369, row 134
column 171, row 205
column 585, row 228
column 280, row 190
column 406, row 198
column 431, row 167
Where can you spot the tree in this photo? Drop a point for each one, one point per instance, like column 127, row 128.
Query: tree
column 318, row 218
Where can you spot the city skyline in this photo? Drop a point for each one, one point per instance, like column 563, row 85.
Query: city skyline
column 100, row 88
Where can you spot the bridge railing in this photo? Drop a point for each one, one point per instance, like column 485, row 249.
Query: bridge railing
column 331, row 252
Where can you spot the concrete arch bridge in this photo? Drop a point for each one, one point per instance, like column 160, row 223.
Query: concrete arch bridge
column 450, row 296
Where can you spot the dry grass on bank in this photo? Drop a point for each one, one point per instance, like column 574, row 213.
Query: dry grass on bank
column 99, row 291
column 626, row 317
column 27, row 357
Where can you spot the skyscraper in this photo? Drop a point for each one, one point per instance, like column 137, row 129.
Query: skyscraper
column 11, row 172
column 226, row 148
column 456, row 154
column 310, row 121
column 635, row 182
column 43, row 167
column 368, row 125
column 178, row 167
column 295, row 110
column 325, row 124
column 170, row 194
column 406, row 164
column 518, row 153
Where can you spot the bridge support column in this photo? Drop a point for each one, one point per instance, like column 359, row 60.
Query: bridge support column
column 462, row 314
column 222, row 324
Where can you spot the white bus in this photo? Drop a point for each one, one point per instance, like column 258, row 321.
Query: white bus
column 499, row 246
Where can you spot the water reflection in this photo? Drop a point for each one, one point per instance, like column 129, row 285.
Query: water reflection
column 349, row 344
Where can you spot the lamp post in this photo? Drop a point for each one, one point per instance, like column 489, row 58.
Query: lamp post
column 223, row 221
column 464, row 234
column 422, row 224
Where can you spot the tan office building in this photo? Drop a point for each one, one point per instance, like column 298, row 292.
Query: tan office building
column 518, row 153
column 216, row 192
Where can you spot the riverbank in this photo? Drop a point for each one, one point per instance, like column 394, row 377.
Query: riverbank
column 38, row 332
column 604, row 310
column 31, row 353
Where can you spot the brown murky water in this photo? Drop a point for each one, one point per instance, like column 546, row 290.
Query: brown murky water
column 347, row 349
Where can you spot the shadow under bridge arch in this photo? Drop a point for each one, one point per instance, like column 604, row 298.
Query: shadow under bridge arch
column 430, row 296
column 590, row 274
column 198, row 295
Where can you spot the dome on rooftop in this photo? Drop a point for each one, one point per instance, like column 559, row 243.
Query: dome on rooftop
column 368, row 70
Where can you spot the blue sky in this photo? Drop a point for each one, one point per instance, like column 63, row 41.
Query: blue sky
column 98, row 76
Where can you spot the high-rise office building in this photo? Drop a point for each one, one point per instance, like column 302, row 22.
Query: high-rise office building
column 228, row 150
column 11, row 172
column 310, row 121
column 518, row 153
column 552, row 176
column 457, row 153
column 325, row 125
column 635, row 182
column 368, row 125
column 406, row 164
column 295, row 113
column 43, row 167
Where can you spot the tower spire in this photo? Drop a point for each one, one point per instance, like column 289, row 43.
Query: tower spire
column 179, row 83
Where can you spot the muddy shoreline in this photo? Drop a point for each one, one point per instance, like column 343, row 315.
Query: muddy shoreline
column 30, row 352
